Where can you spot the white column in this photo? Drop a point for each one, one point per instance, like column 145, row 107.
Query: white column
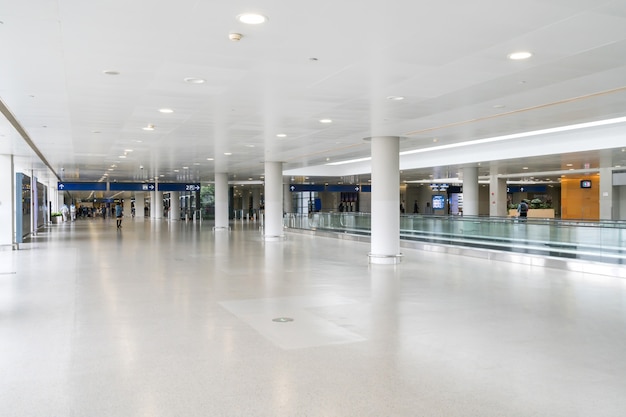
column 470, row 191
column 221, row 200
column 273, row 225
column 287, row 200
column 497, row 197
column 606, row 194
column 127, row 207
column 385, row 243
column 256, row 201
column 156, row 205
column 175, row 206
column 7, row 201
column 140, row 205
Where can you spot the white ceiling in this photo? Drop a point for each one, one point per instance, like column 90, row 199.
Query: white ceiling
column 311, row 60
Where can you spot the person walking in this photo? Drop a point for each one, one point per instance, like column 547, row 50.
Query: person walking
column 118, row 215
column 522, row 210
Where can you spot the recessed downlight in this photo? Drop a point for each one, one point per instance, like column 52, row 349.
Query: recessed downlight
column 395, row 98
column 326, row 121
column 148, row 128
column 228, row 153
column 252, row 18
column 210, row 159
column 521, row 55
column 281, row 135
column 194, row 80
column 167, row 111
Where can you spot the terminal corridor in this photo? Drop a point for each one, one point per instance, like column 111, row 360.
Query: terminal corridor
column 175, row 319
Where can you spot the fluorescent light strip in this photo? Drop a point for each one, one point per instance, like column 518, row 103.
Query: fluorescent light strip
column 500, row 138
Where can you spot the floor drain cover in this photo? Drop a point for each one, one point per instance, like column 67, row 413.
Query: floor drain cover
column 282, row 319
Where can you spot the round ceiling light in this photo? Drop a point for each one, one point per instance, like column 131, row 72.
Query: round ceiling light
column 166, row 110
column 326, row 121
column 252, row 18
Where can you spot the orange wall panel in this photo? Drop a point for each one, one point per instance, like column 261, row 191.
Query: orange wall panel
column 580, row 203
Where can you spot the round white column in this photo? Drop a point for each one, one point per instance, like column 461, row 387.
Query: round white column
column 287, row 200
column 273, row 228
column 174, row 206
column 385, row 244
column 221, row 201
column 470, row 191
column 140, row 205
column 156, row 205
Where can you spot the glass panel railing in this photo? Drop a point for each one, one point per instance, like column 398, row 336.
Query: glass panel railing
column 598, row 241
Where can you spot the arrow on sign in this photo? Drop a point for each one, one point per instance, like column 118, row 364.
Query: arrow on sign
column 151, row 187
column 356, row 188
column 61, row 186
column 293, row 187
column 197, row 187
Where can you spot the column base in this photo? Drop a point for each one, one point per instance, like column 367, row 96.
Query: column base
column 273, row 237
column 384, row 259
column 215, row 229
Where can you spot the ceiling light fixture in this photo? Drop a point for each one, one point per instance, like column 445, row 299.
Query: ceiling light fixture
column 210, row 159
column 194, row 80
column 228, row 153
column 518, row 56
column 326, row 121
column 110, row 72
column 395, row 98
column 166, row 111
column 281, row 135
column 252, row 18
column 148, row 128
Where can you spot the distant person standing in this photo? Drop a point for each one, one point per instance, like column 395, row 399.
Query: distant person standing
column 118, row 215
column 73, row 212
column 64, row 212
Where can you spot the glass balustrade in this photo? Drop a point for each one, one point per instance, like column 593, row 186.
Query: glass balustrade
column 602, row 241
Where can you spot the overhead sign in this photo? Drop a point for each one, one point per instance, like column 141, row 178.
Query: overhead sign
column 172, row 186
column 333, row 188
column 82, row 186
column 131, row 186
column 526, row 189
column 296, row 188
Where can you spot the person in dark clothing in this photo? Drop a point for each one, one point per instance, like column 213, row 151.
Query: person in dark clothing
column 522, row 210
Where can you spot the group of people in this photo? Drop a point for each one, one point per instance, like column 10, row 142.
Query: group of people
column 69, row 213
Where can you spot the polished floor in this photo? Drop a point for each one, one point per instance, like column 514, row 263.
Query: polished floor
column 162, row 319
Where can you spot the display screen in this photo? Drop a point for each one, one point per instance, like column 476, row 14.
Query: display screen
column 439, row 202
column 585, row 184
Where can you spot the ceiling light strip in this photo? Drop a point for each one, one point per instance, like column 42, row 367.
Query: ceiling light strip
column 541, row 106
column 18, row 127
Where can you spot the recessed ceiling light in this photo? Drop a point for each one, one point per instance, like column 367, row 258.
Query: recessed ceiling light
column 162, row 175
column 210, row 159
column 524, row 167
column 395, row 98
column 517, row 56
column 149, row 127
column 569, row 165
column 110, row 169
column 194, row 80
column 252, row 18
column 122, row 156
column 110, row 72
column 281, row 135
column 128, row 150
column 196, row 163
column 249, row 146
column 166, row 110
column 228, row 153
column 498, row 106
column 326, row 121
column 185, row 167
column 176, row 170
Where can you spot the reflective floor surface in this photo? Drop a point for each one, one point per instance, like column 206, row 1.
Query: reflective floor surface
column 162, row 319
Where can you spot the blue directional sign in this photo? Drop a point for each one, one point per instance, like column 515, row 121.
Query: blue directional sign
column 170, row 186
column 342, row 188
column 296, row 188
column 82, row 186
column 526, row 189
column 131, row 186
